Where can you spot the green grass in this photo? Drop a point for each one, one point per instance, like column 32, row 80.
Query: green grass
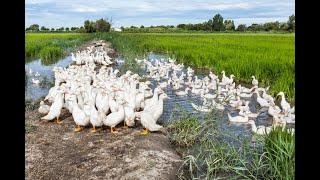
column 207, row 156
column 270, row 57
column 50, row 47
column 280, row 153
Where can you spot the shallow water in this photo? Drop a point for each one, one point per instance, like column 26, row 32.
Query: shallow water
column 34, row 91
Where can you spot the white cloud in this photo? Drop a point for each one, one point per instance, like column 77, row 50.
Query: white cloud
column 152, row 11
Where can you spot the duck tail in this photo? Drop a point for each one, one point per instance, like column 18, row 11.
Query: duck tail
column 155, row 127
column 48, row 117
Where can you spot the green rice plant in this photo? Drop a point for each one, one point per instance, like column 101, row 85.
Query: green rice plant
column 49, row 54
column 279, row 147
column 48, row 46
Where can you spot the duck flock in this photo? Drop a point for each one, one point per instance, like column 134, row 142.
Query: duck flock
column 96, row 94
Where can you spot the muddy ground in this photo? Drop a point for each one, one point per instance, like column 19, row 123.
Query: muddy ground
column 55, row 151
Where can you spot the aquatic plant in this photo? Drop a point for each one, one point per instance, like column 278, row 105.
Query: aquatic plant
column 212, row 157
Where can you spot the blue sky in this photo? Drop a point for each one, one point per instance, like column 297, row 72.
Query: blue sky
column 67, row 13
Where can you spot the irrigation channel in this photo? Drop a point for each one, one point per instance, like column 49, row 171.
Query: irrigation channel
column 233, row 131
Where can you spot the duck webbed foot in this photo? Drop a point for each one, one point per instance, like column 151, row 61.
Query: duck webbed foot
column 145, row 131
column 93, row 130
column 113, row 130
column 125, row 125
column 57, row 121
column 78, row 129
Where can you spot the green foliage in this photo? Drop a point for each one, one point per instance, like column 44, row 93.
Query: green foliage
column 270, row 57
column 229, row 25
column 292, row 23
column 217, row 23
column 279, row 146
column 184, row 133
column 102, row 25
column 242, row 27
column 33, row 28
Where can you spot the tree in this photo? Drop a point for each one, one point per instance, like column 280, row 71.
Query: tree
column 181, row 26
column 52, row 29
column 217, row 23
column 141, row 26
column 102, row 25
column 292, row 23
column 122, row 28
column 255, row 27
column 284, row 26
column 74, row 28
column 242, row 27
column 271, row 26
column 67, row 29
column 209, row 25
column 34, row 27
column 229, row 25
column 87, row 25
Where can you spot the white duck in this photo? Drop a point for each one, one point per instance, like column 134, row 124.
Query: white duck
column 114, row 118
column 267, row 96
column 284, row 104
column 79, row 116
column 43, row 109
column 96, row 117
column 237, row 103
column 150, row 116
column 182, row 93
column 102, row 101
column 248, row 113
column 262, row 102
column 201, row 108
column 55, row 109
column 35, row 81
column 254, row 81
column 274, row 110
column 150, row 102
column 238, row 119
column 261, row 130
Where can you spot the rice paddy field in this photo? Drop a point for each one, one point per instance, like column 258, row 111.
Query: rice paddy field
column 50, row 47
column 269, row 57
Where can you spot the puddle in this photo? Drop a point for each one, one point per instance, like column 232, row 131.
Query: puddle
column 36, row 91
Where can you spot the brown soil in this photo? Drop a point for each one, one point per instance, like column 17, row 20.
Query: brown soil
column 55, row 151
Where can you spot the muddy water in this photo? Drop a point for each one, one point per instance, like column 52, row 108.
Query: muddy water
column 232, row 131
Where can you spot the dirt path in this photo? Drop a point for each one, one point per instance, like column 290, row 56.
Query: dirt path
column 56, row 152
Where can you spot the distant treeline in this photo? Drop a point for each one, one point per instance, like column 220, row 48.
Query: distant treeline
column 216, row 24
column 100, row 25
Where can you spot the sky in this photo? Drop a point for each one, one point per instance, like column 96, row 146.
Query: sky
column 68, row 13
